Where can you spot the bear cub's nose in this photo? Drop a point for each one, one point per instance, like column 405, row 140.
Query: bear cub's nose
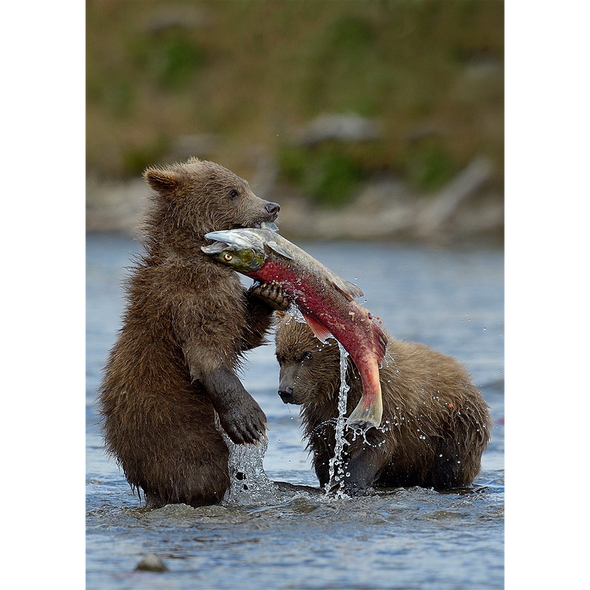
column 286, row 394
column 272, row 209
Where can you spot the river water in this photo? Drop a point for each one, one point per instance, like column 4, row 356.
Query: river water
column 452, row 300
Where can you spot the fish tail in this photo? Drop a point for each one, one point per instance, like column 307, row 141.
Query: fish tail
column 370, row 414
column 370, row 408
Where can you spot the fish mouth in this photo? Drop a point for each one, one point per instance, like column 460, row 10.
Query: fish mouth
column 239, row 238
column 226, row 239
column 215, row 248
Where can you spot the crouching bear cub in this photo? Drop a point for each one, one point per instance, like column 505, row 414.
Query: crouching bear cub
column 187, row 323
column 435, row 423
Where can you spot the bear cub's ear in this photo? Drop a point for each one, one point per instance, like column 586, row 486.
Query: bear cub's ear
column 162, row 180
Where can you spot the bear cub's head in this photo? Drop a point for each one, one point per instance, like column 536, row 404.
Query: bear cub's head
column 201, row 196
column 309, row 368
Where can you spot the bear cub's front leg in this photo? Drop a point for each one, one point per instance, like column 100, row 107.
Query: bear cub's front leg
column 239, row 413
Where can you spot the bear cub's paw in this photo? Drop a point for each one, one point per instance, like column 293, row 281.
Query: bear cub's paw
column 272, row 294
column 244, row 422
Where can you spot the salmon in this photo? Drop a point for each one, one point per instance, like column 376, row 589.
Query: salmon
column 326, row 301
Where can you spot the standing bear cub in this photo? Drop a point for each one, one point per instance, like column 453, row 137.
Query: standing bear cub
column 435, row 423
column 186, row 325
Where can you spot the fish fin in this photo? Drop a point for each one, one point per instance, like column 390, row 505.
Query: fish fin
column 280, row 251
column 349, row 290
column 317, row 328
column 379, row 342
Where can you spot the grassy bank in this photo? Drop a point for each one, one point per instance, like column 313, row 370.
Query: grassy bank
column 253, row 73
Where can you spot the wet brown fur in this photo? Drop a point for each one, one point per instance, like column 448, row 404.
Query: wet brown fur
column 187, row 323
column 437, row 424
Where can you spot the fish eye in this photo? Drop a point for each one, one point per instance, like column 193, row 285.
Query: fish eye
column 227, row 256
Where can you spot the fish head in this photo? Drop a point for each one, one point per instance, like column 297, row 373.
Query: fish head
column 235, row 252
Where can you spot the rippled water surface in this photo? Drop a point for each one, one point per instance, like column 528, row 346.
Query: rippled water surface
column 270, row 538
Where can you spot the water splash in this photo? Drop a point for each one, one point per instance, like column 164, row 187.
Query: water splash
column 249, row 483
column 336, row 463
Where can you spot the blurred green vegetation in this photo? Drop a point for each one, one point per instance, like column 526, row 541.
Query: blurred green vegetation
column 330, row 171
column 254, row 72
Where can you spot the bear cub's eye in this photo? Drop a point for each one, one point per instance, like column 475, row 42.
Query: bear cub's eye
column 307, row 356
column 233, row 194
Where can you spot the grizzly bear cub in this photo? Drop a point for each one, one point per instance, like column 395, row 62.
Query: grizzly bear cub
column 187, row 322
column 435, row 423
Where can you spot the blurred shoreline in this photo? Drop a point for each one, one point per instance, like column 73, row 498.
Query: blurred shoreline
column 468, row 208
